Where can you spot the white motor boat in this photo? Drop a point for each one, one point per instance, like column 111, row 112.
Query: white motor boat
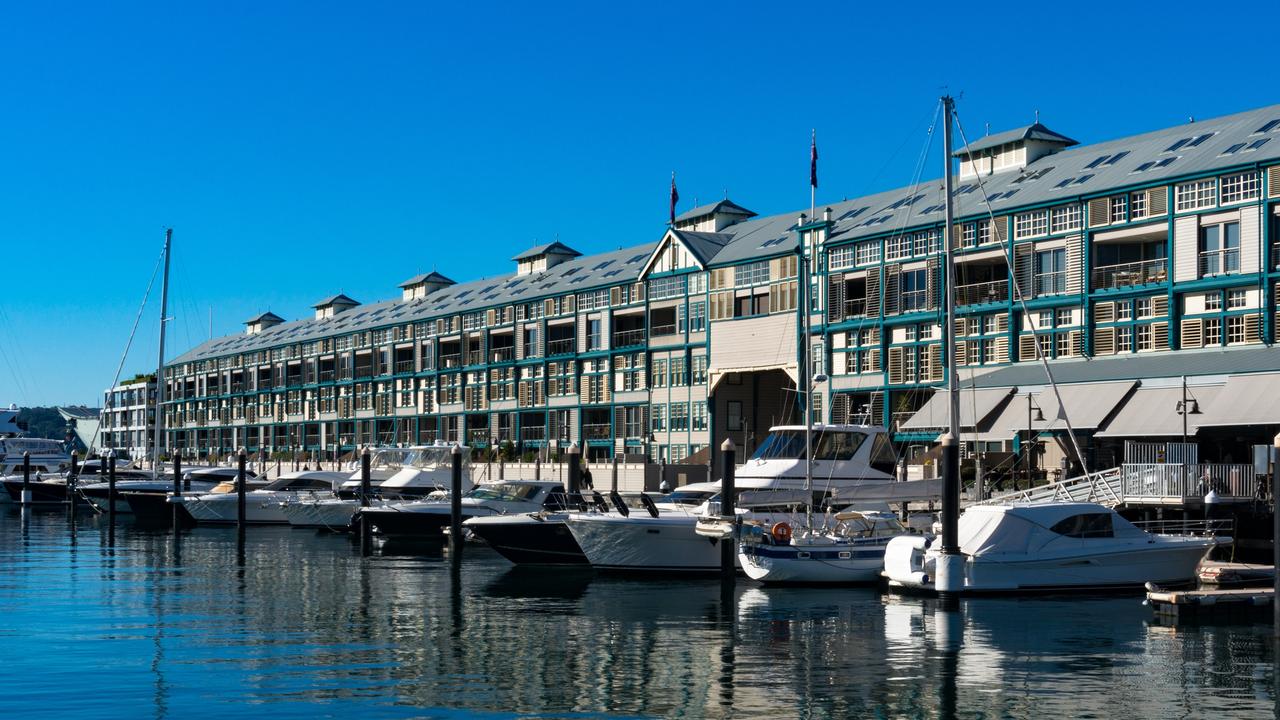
column 262, row 506
column 48, row 459
column 844, row 457
column 428, row 518
column 849, row 552
column 1050, row 546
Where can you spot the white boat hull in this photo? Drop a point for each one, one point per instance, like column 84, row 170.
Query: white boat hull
column 853, row 562
column 260, row 508
column 665, row 543
column 326, row 515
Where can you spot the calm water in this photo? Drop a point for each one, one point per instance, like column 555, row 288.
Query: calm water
column 300, row 626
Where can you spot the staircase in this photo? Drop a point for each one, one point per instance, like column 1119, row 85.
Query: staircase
column 1100, row 487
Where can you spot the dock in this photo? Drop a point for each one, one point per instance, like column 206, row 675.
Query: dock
column 1218, row 603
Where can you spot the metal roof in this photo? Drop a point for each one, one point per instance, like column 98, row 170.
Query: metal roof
column 1035, row 131
column 725, row 206
column 267, row 316
column 555, row 248
column 1137, row 366
column 703, row 245
column 431, row 277
column 338, row 299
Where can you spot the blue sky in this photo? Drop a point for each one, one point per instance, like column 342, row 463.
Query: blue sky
column 299, row 149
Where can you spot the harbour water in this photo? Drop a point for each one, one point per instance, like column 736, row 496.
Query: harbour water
column 297, row 624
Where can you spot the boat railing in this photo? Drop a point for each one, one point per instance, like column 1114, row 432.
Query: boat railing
column 1199, row 528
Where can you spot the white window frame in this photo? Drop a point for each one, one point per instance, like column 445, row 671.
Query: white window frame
column 1241, row 187
column 1030, row 224
column 1065, row 218
column 1196, row 195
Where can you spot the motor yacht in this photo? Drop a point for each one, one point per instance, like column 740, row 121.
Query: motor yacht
column 263, row 506
column 427, row 519
column 146, row 482
column 543, row 538
column 1050, row 547
column 844, row 457
column 49, row 462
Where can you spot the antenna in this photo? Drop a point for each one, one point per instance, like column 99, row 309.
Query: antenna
column 1037, row 115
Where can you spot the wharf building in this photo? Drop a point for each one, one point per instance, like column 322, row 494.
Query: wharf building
column 127, row 422
column 1143, row 269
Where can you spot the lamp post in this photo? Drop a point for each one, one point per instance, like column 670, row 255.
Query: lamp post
column 1186, row 406
column 1026, row 451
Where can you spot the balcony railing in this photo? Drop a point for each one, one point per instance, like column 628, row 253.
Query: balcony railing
column 502, row 354
column 1219, row 262
column 983, row 292
column 451, row 361
column 1112, row 277
column 627, row 338
column 855, row 307
column 404, row 366
column 599, row 431
column 535, row 432
column 1051, row 283
column 475, row 357
column 563, row 346
column 326, row 376
column 914, row 300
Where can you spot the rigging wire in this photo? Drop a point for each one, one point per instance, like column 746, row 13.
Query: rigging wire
column 1007, row 244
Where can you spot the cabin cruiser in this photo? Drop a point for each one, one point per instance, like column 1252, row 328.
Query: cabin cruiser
column 849, row 551
column 47, row 457
column 428, row 518
column 414, row 472
column 263, row 505
column 146, row 482
column 844, row 457
column 1049, row 546
column 543, row 538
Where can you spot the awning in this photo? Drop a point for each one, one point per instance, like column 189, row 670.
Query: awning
column 1086, row 405
column 975, row 407
column 715, row 374
column 1153, row 412
column 1246, row 400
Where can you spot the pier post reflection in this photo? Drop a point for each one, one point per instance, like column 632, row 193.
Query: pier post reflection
column 948, row 639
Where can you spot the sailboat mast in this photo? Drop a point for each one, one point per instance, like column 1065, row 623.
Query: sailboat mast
column 805, row 384
column 164, row 311
column 951, row 449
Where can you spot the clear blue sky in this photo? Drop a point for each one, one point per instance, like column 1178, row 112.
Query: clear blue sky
column 299, row 149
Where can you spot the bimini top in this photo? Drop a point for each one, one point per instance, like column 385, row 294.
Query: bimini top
column 996, row 531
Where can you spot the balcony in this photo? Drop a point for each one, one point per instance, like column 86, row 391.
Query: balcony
column 450, row 361
column 475, row 357
column 1125, row 275
column 1051, row 283
column 661, row 330
column 628, row 338
column 856, row 307
column 404, row 367
column 601, row 431
column 1219, row 262
column 913, row 300
column 535, row 433
column 983, row 292
column 326, row 376
column 562, row 346
column 502, row 354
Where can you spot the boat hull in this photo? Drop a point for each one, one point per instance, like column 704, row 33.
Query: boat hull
column 837, row 563
column 418, row 524
column 530, row 540
column 332, row 515
column 666, row 543
column 42, row 493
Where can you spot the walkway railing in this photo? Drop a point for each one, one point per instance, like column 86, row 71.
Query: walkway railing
column 1177, row 482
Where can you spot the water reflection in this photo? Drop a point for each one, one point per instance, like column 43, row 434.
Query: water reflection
column 291, row 623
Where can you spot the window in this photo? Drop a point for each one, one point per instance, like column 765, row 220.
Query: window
column 657, row 417
column 733, row 415
column 990, row 324
column 1237, row 188
column 914, row 285
column 984, row 232
column 1213, row 331
column 1044, row 319
column 750, row 274
column 679, row 416
column 659, row 377
column 868, row 252
column 1063, row 317
column 1051, row 272
column 1143, row 307
column 1237, row 299
column 925, row 332
column 932, row 239
column 1045, row 343
column 1137, row 205
column 698, row 316
column 1235, row 329
column 1031, row 224
column 1124, row 310
column 968, row 235
column 1124, row 339
column 671, row 286
column 678, row 375
column 1143, row 333
column 699, row 370
column 1065, row 219
column 1195, row 195
column 1119, row 208
column 1064, row 344
column 898, row 246
column 1220, row 249
column 841, row 257
column 699, row 413
column 911, row 332
column 1213, row 301
column 593, row 335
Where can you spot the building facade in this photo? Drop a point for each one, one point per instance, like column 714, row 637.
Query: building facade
column 128, row 420
column 1121, row 267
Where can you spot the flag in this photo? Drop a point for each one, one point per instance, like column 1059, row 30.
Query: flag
column 675, row 198
column 813, row 160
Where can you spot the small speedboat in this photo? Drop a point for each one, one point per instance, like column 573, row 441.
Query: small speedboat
column 145, row 482
column 263, row 506
column 1055, row 546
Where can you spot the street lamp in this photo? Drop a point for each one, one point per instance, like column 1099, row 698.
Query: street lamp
column 1186, row 406
column 1026, row 451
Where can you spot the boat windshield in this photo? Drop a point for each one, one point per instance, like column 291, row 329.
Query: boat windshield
column 428, row 457
column 827, row 445
column 685, row 497
column 389, row 457
column 504, row 491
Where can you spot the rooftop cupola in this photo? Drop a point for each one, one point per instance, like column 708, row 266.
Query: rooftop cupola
column 333, row 305
column 1009, row 150
column 713, row 218
column 258, row 323
column 541, row 258
column 420, row 286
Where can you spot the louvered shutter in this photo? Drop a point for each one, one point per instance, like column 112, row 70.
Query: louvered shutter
column 490, row 317
column 1002, row 349
column 1075, row 263
column 1002, row 323
column 1252, row 328
column 615, row 296
column 1026, row 347
column 935, row 362
column 874, row 356
column 1192, row 333
column 961, row 327
column 1000, row 229
column 1160, row 336
column 1024, row 269
column 877, row 408
column 933, row 290
column 1160, row 305
column 895, row 366
column 1157, row 201
column 839, row 409
column 1076, row 339
column 1104, row 341
column 873, row 292
column 1099, row 212
column 569, row 305
column 892, row 286
column 1104, row 312
column 1273, row 182
column 835, row 297
column 962, row 355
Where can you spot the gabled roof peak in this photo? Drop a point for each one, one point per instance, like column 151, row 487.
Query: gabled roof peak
column 339, row 299
column 725, row 206
column 552, row 248
column 267, row 316
column 431, row 277
column 1034, row 131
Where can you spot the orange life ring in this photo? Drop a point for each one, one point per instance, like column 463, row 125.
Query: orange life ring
column 781, row 532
